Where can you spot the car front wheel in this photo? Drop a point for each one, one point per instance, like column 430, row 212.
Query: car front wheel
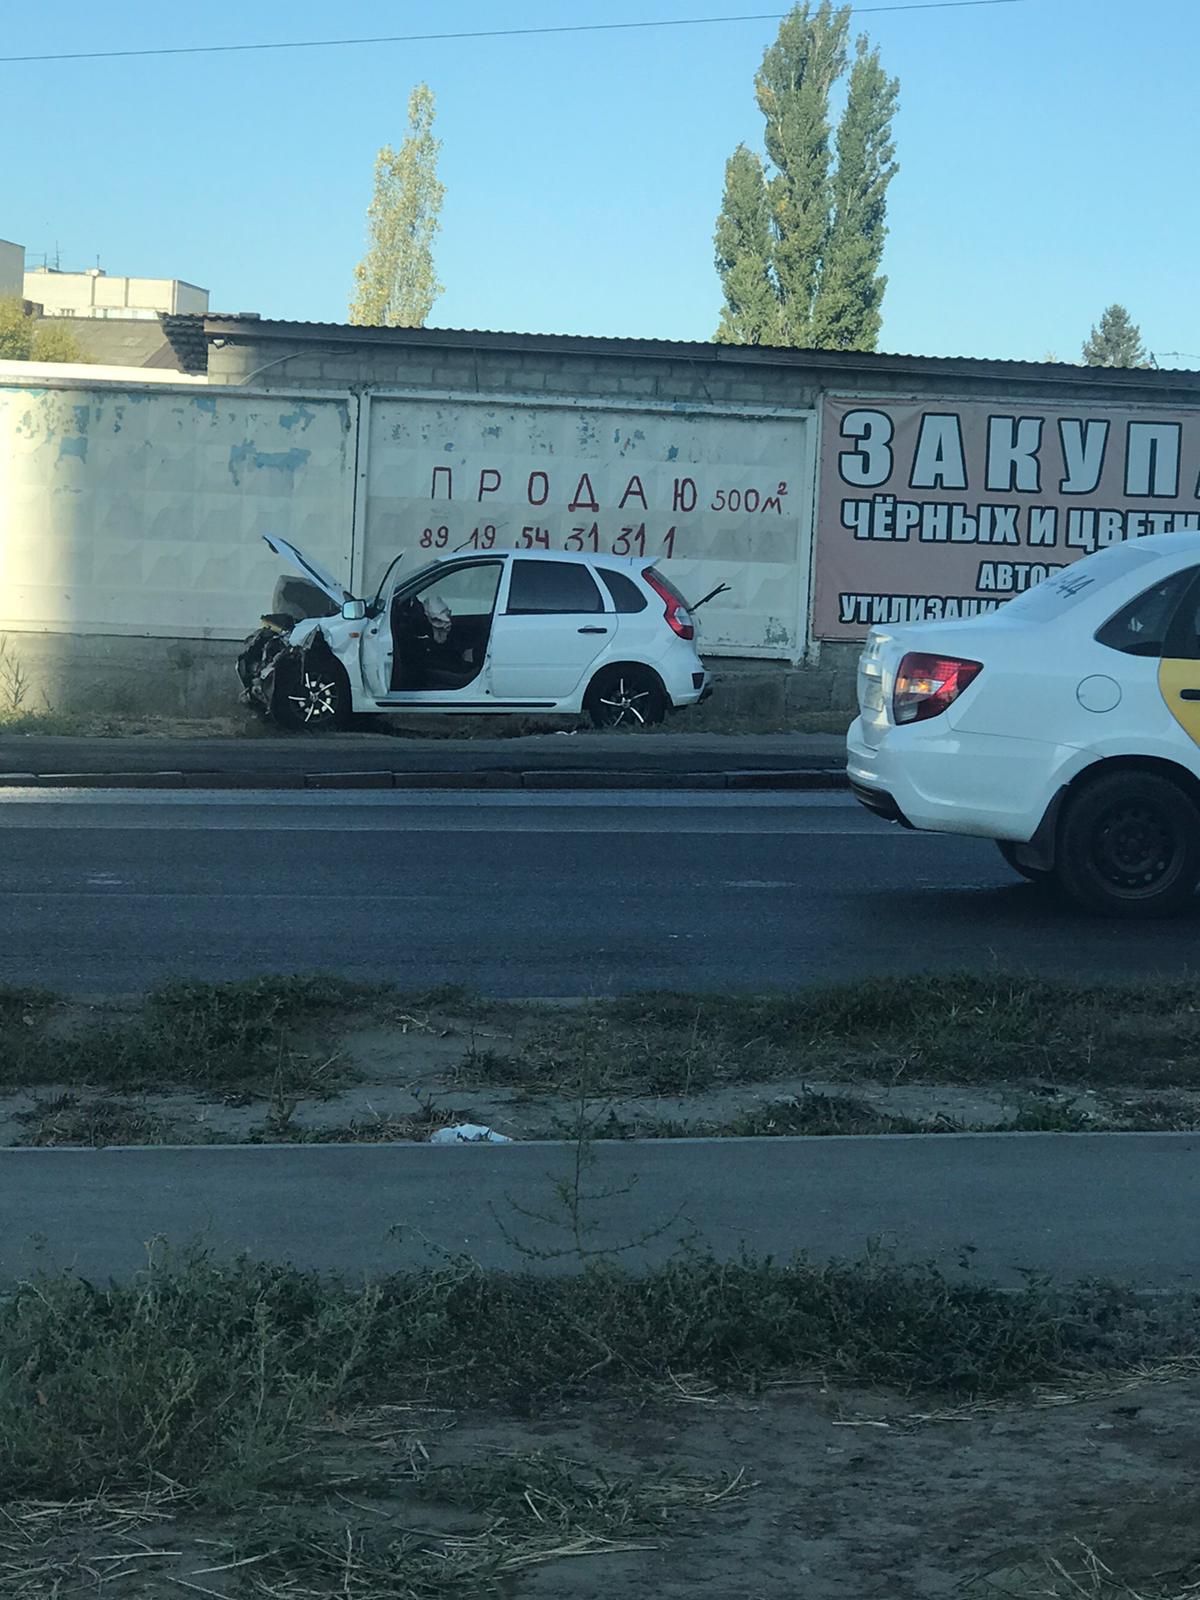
column 626, row 697
column 1129, row 846
column 311, row 694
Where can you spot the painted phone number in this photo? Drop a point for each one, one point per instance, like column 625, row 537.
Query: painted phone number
column 585, row 538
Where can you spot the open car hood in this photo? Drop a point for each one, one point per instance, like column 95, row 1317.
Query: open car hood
column 307, row 568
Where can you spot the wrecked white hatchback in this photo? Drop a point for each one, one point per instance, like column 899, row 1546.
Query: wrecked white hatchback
column 510, row 631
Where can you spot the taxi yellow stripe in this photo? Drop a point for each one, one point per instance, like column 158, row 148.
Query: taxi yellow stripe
column 1174, row 676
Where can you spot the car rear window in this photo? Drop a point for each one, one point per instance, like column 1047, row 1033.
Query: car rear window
column 1080, row 581
column 626, row 596
column 541, row 587
column 1140, row 628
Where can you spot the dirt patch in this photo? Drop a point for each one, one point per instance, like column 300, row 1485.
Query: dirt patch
column 816, row 1492
column 116, row 725
column 849, row 1502
column 744, row 1429
column 309, row 1059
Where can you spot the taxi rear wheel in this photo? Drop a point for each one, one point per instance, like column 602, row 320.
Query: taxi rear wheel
column 1129, row 846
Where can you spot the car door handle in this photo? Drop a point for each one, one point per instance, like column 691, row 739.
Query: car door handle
column 1189, row 694
column 605, row 630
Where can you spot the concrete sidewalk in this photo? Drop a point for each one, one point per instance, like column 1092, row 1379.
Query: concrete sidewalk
column 1009, row 1203
column 587, row 760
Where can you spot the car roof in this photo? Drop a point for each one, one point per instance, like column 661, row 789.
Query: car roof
column 1184, row 543
column 587, row 558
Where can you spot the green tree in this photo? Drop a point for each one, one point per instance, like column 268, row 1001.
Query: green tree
column 1115, row 342
column 846, row 315
column 54, row 343
column 16, row 329
column 25, row 338
column 825, row 223
column 792, row 88
column 395, row 283
column 743, row 240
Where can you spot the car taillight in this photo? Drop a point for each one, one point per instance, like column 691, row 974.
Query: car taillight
column 679, row 618
column 927, row 684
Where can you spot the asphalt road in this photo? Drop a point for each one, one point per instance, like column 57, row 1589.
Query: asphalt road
column 520, row 894
column 1020, row 1201
column 285, row 757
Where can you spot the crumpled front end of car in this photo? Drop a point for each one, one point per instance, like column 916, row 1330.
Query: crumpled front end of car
column 259, row 661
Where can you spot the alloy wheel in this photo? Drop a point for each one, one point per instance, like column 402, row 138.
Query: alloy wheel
column 317, row 700
column 624, row 704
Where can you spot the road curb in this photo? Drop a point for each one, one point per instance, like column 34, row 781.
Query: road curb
column 802, row 778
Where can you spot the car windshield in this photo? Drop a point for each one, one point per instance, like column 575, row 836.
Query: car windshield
column 405, row 580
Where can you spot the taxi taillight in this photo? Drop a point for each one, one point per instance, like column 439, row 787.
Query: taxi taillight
column 927, row 684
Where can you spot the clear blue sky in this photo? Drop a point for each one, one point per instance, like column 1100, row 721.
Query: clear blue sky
column 1047, row 149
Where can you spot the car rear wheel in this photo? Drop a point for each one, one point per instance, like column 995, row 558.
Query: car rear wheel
column 1011, row 854
column 626, row 697
column 1129, row 846
column 311, row 694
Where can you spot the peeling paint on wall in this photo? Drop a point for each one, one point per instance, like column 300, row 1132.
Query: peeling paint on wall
column 248, row 454
column 156, row 530
column 77, row 447
column 130, row 511
column 717, row 499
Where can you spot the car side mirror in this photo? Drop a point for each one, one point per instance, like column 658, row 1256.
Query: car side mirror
column 353, row 610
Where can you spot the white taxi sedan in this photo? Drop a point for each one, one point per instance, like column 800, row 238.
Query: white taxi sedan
column 1066, row 726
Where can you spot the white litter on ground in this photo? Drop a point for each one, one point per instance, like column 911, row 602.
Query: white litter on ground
column 468, row 1133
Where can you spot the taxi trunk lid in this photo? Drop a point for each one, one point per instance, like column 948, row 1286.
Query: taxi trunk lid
column 886, row 648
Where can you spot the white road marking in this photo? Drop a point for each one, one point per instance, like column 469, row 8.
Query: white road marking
column 757, row 883
column 439, row 799
column 599, row 811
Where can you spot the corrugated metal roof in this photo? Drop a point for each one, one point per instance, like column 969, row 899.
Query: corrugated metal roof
column 117, row 341
column 186, row 337
column 233, row 324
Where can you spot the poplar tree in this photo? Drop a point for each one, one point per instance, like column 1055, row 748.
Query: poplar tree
column 820, row 250
column 846, row 315
column 396, row 282
column 743, row 240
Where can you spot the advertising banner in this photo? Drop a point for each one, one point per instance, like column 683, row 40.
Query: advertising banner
column 936, row 509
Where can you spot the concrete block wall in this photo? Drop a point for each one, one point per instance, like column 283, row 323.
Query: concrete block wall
column 265, row 360
column 258, row 363
column 195, row 678
column 99, row 675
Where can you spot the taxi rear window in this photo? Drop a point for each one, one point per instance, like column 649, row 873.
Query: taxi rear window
column 1140, row 628
column 1080, row 581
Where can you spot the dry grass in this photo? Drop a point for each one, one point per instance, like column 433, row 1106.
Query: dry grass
column 1077, row 1389
column 1078, row 1573
column 52, row 1548
column 1142, row 1039
column 531, row 1509
column 94, row 1124
column 512, row 1510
